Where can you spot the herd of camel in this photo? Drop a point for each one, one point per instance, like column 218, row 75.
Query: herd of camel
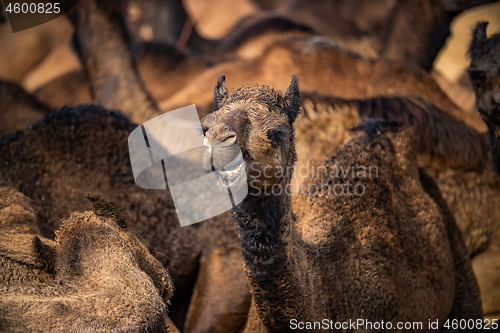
column 83, row 249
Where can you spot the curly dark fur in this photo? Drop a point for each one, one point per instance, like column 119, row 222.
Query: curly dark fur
column 73, row 151
column 485, row 77
column 436, row 132
column 455, row 154
column 341, row 256
column 97, row 265
column 484, row 72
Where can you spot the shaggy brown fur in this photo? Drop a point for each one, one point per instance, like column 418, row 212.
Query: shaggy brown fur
column 437, row 133
column 392, row 253
column 18, row 109
column 325, row 68
column 105, row 280
column 88, row 147
column 18, row 229
column 453, row 153
column 74, row 151
column 484, row 71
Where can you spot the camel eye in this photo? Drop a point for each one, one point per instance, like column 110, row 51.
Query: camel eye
column 477, row 76
column 277, row 136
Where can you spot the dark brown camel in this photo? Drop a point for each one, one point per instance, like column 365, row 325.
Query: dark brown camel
column 484, row 71
column 391, row 253
column 76, row 150
column 453, row 153
column 88, row 146
column 104, row 280
column 324, row 68
column 18, row 227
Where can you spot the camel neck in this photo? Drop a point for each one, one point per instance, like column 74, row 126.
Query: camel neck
column 106, row 49
column 494, row 130
column 262, row 224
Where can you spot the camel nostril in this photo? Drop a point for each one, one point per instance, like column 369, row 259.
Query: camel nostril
column 230, row 139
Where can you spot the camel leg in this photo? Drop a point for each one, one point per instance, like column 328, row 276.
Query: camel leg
column 221, row 296
column 467, row 302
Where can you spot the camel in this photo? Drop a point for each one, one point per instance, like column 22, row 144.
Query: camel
column 85, row 148
column 485, row 76
column 104, row 279
column 401, row 30
column 324, row 68
column 392, row 253
column 18, row 262
column 77, row 150
column 271, row 53
column 454, row 154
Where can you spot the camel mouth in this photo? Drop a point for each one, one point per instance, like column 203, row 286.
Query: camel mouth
column 231, row 174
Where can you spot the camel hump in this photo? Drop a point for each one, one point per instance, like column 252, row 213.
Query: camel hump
column 376, row 127
column 436, row 132
column 102, row 206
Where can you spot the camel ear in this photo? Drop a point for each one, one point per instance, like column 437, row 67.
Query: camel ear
column 220, row 92
column 478, row 39
column 291, row 99
column 44, row 254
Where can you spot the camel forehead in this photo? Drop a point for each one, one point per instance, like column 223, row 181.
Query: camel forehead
column 264, row 96
column 264, row 113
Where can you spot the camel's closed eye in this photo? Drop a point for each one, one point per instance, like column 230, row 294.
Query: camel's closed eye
column 277, row 136
column 477, row 76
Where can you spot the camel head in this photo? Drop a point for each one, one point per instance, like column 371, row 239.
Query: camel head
column 256, row 121
column 484, row 72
